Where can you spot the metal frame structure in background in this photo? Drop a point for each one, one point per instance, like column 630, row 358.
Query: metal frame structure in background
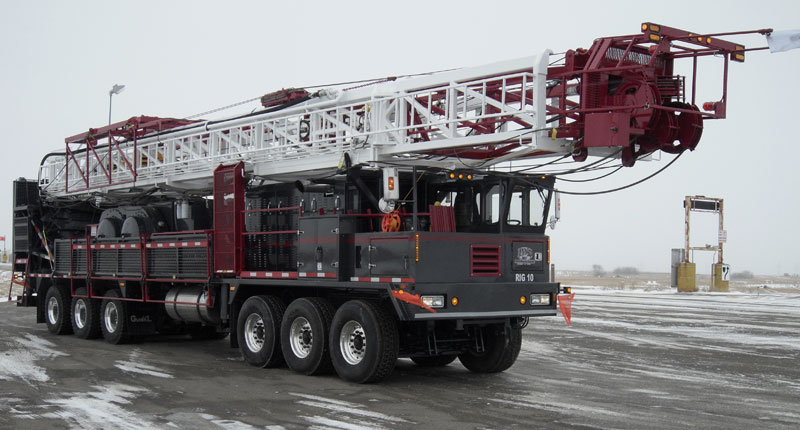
column 707, row 205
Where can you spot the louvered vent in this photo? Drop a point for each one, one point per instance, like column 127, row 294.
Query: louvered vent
column 484, row 260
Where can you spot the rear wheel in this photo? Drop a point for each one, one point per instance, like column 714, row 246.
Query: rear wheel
column 85, row 316
column 258, row 331
column 500, row 350
column 56, row 311
column 304, row 336
column 434, row 361
column 114, row 319
column 363, row 342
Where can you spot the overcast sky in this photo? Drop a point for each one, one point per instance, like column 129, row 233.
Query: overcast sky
column 179, row 58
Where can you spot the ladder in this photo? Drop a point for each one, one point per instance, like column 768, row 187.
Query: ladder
column 19, row 275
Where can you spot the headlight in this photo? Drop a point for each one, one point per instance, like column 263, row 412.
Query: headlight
column 540, row 299
column 433, row 301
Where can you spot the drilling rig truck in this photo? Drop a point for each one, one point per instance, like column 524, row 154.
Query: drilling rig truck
column 340, row 229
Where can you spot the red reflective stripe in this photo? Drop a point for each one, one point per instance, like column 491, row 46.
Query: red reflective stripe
column 110, row 246
column 147, row 245
column 381, row 279
column 316, row 275
column 201, row 244
column 269, row 275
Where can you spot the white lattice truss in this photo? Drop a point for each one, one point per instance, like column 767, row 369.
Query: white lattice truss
column 402, row 121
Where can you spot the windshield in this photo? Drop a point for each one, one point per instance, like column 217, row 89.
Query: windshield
column 483, row 205
column 527, row 206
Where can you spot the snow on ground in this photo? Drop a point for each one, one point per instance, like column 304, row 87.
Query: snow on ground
column 636, row 315
column 18, row 361
column 5, row 283
column 199, row 419
column 731, row 323
column 101, row 409
column 346, row 415
column 135, row 365
column 233, row 424
column 662, row 348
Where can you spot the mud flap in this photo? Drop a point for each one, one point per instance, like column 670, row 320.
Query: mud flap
column 141, row 319
column 565, row 305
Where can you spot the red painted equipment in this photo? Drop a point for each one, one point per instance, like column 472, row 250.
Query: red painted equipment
column 630, row 96
column 114, row 164
column 280, row 97
column 565, row 305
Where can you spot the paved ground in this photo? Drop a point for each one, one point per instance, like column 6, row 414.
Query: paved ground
column 630, row 360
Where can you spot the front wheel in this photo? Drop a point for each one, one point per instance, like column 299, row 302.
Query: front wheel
column 501, row 348
column 258, row 330
column 56, row 310
column 363, row 342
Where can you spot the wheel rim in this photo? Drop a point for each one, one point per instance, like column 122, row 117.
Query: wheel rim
column 80, row 313
column 254, row 332
column 111, row 317
column 301, row 337
column 353, row 342
column 52, row 310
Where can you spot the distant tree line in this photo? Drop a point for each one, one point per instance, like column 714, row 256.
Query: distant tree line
column 626, row 271
column 599, row 272
column 745, row 274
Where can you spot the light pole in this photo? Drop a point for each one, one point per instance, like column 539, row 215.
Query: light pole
column 116, row 89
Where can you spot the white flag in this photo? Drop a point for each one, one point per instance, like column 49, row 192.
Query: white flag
column 780, row 41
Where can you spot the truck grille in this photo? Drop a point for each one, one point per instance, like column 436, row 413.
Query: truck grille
column 62, row 251
column 484, row 260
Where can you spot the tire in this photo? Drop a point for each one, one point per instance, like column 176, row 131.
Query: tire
column 56, row 310
column 304, row 336
column 434, row 361
column 85, row 316
column 114, row 319
column 363, row 342
column 501, row 350
column 258, row 331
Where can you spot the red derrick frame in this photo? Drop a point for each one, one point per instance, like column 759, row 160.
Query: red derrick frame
column 627, row 88
column 642, row 60
column 129, row 130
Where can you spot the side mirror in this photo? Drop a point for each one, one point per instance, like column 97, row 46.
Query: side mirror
column 556, row 212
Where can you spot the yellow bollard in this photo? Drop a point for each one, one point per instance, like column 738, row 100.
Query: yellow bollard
column 687, row 277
